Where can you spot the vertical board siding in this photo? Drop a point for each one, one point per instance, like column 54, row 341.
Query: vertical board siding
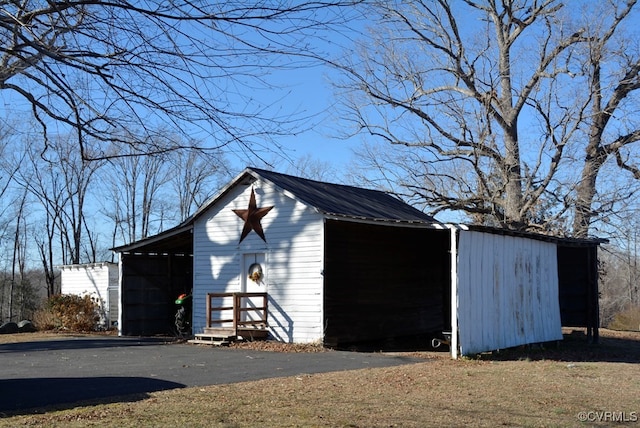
column 507, row 292
column 293, row 271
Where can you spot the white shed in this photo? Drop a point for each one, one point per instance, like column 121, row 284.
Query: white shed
column 507, row 292
column 291, row 259
column 97, row 280
column 340, row 264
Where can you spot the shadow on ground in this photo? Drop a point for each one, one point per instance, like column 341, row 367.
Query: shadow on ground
column 21, row 395
column 613, row 347
column 81, row 343
column 415, row 343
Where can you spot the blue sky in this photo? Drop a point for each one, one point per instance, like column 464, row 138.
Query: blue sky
column 307, row 92
column 311, row 93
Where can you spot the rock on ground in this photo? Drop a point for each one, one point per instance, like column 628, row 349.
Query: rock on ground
column 9, row 328
column 26, row 326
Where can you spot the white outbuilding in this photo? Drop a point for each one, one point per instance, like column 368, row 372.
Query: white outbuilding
column 96, row 280
column 307, row 261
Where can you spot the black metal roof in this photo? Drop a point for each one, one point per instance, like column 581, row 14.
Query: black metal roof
column 334, row 200
column 346, row 201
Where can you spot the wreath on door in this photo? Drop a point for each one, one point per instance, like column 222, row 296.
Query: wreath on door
column 255, row 272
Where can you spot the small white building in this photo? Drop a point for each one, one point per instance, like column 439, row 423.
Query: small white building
column 97, row 280
column 341, row 264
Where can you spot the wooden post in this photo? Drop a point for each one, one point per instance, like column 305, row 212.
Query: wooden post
column 264, row 311
column 208, row 310
column 120, row 295
column 594, row 304
column 236, row 312
column 454, row 292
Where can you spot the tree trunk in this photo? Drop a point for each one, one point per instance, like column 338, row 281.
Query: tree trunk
column 594, row 159
column 513, row 186
column 586, row 189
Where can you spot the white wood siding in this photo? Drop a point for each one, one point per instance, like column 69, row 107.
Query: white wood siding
column 99, row 280
column 507, row 292
column 294, row 260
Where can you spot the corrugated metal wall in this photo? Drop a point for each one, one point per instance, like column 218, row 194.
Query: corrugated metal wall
column 507, row 292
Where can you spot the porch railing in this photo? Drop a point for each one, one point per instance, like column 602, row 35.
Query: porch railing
column 237, row 314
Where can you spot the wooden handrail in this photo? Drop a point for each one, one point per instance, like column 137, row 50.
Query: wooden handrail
column 238, row 310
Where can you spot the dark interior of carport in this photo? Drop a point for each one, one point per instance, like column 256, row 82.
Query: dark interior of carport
column 384, row 282
column 154, row 274
column 578, row 285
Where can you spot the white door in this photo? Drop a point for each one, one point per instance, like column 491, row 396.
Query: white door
column 254, row 280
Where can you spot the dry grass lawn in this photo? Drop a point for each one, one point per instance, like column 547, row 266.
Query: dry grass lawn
column 520, row 387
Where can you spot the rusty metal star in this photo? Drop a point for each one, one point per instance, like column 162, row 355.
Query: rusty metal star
column 252, row 217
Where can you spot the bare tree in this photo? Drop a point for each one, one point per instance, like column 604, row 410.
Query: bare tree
column 313, row 169
column 134, row 200
column 60, row 181
column 612, row 69
column 620, row 276
column 98, row 69
column 17, row 295
column 7, row 169
column 78, row 177
column 32, row 178
column 45, row 242
column 18, row 259
column 196, row 176
column 618, row 281
column 484, row 104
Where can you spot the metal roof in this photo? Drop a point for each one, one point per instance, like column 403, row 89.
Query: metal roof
column 332, row 200
column 339, row 200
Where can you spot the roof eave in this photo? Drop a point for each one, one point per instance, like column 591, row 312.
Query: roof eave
column 153, row 239
column 532, row 235
column 385, row 221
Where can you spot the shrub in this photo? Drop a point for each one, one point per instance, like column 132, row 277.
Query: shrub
column 43, row 319
column 68, row 312
column 628, row 319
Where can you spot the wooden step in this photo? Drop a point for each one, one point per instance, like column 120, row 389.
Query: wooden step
column 218, row 331
column 213, row 339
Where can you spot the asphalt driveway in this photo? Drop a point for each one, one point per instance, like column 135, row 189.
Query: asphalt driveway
column 65, row 371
